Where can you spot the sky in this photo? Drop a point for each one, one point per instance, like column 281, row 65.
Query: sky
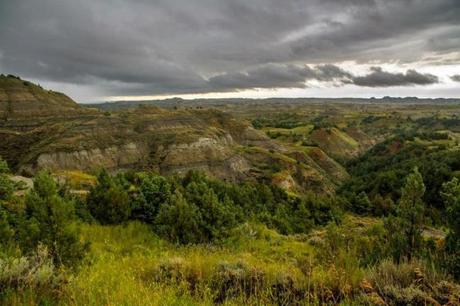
column 146, row 49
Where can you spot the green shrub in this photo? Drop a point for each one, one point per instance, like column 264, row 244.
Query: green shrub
column 49, row 220
column 36, row 273
column 217, row 215
column 6, row 231
column 154, row 190
column 178, row 221
column 358, row 241
column 411, row 283
column 381, row 172
column 231, row 280
column 3, row 166
column 108, row 201
column 199, row 216
column 451, row 196
column 6, row 188
column 362, row 204
column 405, row 228
column 6, row 185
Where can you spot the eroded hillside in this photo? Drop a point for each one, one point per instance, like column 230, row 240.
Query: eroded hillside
column 43, row 129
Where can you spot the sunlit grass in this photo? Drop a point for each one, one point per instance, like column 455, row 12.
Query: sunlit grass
column 129, row 265
column 123, row 261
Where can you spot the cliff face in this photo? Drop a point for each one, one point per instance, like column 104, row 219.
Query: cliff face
column 86, row 159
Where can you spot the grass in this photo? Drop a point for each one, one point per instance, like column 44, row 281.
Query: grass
column 77, row 179
column 304, row 130
column 129, row 265
column 123, row 265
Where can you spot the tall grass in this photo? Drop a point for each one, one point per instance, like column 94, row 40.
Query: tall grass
column 129, row 265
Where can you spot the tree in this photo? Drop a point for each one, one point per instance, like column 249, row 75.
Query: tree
column 6, row 232
column 382, row 206
column 202, row 212
column 4, row 166
column 6, row 185
column 153, row 192
column 177, row 220
column 6, row 193
column 405, row 228
column 216, row 216
column 49, row 222
column 450, row 193
column 304, row 221
column 108, row 201
column 362, row 204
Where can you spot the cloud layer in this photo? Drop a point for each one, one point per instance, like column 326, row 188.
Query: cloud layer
column 189, row 46
column 289, row 76
column 380, row 78
column 277, row 76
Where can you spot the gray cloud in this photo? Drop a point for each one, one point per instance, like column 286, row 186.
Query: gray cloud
column 269, row 76
column 331, row 73
column 291, row 76
column 380, row 78
column 277, row 76
column 455, row 78
column 188, row 46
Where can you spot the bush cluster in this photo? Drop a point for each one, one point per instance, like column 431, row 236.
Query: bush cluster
column 39, row 238
column 377, row 176
column 199, row 209
column 43, row 218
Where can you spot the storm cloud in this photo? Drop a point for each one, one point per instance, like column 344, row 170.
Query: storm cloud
column 380, row 78
column 277, row 76
column 159, row 47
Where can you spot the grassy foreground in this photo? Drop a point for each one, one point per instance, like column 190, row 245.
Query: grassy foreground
column 129, row 265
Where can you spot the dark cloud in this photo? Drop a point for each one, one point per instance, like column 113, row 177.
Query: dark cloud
column 188, row 46
column 269, row 76
column 277, row 76
column 331, row 73
column 380, row 78
column 291, row 76
column 455, row 78
column 383, row 30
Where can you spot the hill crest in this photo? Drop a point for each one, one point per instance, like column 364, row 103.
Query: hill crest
column 20, row 98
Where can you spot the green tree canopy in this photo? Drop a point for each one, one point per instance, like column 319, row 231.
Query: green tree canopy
column 49, row 221
column 451, row 195
column 6, row 185
column 108, row 201
column 154, row 190
column 178, row 220
column 405, row 228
